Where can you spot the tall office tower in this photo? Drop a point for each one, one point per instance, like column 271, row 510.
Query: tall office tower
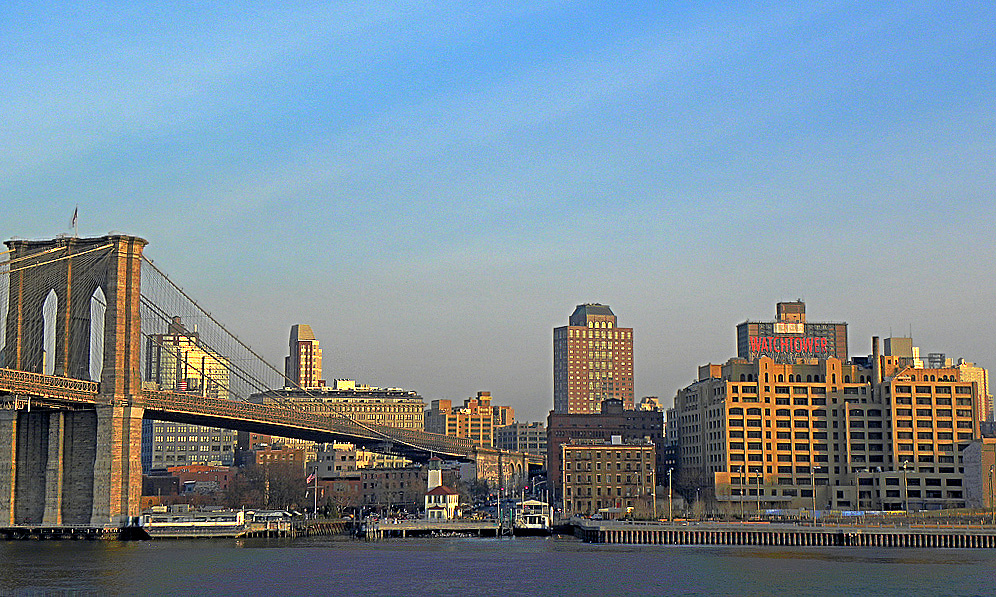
column 303, row 365
column 592, row 361
column 177, row 361
column 790, row 337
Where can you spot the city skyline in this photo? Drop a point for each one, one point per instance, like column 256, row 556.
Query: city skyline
column 431, row 188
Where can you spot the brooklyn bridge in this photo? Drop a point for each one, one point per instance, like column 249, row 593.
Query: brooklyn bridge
column 79, row 316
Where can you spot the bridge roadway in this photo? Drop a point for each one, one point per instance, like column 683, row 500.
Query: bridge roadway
column 62, row 392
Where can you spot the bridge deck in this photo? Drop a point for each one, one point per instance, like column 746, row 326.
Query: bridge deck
column 230, row 414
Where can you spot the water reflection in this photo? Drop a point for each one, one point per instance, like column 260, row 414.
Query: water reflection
column 472, row 566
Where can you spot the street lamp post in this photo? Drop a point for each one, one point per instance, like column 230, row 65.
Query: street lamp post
column 670, row 516
column 906, row 490
column 992, row 507
column 653, row 489
column 759, row 494
column 743, row 488
column 812, row 476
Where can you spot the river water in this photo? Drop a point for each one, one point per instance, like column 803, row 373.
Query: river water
column 474, row 566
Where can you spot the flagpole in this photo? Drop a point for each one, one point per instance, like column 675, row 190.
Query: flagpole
column 75, row 229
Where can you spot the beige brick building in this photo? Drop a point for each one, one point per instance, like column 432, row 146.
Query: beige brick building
column 392, row 407
column 877, row 433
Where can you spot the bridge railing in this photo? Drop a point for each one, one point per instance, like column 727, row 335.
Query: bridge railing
column 173, row 401
column 85, row 391
column 47, row 385
column 192, row 403
column 444, row 444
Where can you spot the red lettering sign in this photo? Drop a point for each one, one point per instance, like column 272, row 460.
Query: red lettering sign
column 789, row 344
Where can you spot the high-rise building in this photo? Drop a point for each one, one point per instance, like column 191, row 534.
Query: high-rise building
column 177, row 361
column 791, row 337
column 303, row 364
column 592, row 361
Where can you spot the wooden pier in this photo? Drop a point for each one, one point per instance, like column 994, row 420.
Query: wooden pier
column 781, row 534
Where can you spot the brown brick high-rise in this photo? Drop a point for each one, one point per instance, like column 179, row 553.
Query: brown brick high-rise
column 592, row 361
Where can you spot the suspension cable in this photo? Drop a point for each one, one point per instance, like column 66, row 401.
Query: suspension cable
column 284, row 402
column 51, row 261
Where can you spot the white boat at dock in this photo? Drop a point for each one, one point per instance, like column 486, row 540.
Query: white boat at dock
column 181, row 523
column 532, row 517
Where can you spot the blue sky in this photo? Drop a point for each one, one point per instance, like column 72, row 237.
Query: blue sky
column 434, row 186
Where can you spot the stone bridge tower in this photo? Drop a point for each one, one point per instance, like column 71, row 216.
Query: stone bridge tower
column 63, row 466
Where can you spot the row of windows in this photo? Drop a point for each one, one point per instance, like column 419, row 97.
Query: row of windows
column 193, row 438
column 598, row 332
column 202, row 448
column 926, row 412
column 586, row 455
column 939, row 400
column 608, row 478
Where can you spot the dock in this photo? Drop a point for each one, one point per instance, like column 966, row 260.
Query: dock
column 72, row 532
column 784, row 534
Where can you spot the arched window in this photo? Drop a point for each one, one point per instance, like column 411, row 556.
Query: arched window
column 98, row 307
column 809, row 378
column 50, row 309
column 781, row 377
column 847, row 379
column 754, row 411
